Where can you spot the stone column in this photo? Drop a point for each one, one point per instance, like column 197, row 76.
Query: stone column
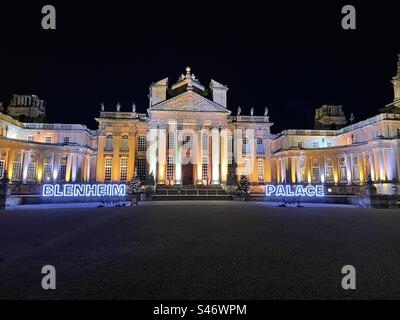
column 199, row 175
column 348, row 169
column 25, row 163
column 178, row 154
column 397, row 159
column 74, row 167
column 238, row 151
column 381, row 165
column 10, row 163
column 152, row 153
column 69, row 167
column 224, row 155
column 299, row 160
column 215, row 137
column 56, row 167
column 162, row 155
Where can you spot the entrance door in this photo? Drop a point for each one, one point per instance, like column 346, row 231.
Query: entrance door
column 187, row 173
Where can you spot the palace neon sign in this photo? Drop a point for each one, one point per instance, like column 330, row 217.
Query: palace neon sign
column 84, row 190
column 294, row 190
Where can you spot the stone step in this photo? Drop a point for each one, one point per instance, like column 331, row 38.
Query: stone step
column 183, row 198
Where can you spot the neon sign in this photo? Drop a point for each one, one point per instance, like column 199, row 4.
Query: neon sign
column 294, row 190
column 84, row 190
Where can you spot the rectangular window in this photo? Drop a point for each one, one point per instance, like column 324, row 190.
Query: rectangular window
column 171, row 141
column 204, row 141
column 170, row 168
column 47, row 171
column 343, row 173
column 142, row 169
column 107, row 168
column 66, row 140
column 47, row 139
column 142, row 143
column 63, row 167
column 315, row 174
column 329, row 173
column 204, row 168
column 30, row 139
column 303, row 174
column 123, row 168
column 31, row 174
column 260, row 169
column 329, row 144
column 246, row 167
column 231, row 149
column 315, row 144
column 2, row 165
column 300, row 144
column 356, row 172
column 16, row 173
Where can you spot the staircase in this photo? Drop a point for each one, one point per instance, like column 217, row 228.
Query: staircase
column 190, row 192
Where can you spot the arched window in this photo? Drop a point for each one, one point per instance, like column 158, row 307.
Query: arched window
column 142, row 143
column 245, row 141
column 124, row 142
column 109, row 143
column 188, row 142
column 260, row 146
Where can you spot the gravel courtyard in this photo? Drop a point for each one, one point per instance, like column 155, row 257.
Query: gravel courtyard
column 200, row 250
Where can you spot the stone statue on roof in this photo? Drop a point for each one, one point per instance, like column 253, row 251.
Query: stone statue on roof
column 266, row 111
column 102, row 106
column 118, row 107
column 252, row 111
column 239, row 111
column 133, row 107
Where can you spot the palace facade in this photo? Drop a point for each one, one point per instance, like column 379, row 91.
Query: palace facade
column 189, row 136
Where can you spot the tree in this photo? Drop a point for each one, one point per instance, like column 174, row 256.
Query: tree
column 135, row 185
column 243, row 187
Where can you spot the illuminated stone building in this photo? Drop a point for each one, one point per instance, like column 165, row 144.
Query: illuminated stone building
column 189, row 136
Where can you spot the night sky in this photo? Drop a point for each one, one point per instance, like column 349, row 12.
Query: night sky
column 291, row 57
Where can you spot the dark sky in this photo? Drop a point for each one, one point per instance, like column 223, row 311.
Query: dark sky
column 292, row 56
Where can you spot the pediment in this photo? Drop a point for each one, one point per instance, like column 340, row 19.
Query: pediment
column 189, row 101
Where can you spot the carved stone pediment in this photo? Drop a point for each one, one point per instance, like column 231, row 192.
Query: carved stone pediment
column 189, row 102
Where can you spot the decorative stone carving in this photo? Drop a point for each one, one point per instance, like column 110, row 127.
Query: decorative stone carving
column 189, row 102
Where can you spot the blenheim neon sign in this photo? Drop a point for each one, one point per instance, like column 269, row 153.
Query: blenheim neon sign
column 84, row 190
column 294, row 190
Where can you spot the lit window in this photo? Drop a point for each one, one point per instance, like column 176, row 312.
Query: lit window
column 231, row 149
column 204, row 141
column 300, row 144
column 260, row 147
column 204, row 168
column 246, row 167
column 47, row 139
column 31, row 174
column 66, row 140
column 30, row 139
column 16, row 173
column 170, row 168
column 171, row 143
column 343, row 174
column 63, row 167
column 315, row 174
column 315, row 144
column 356, row 172
column 123, row 168
column 303, row 174
column 260, row 169
column 142, row 143
column 107, row 168
column 47, row 171
column 109, row 143
column 142, row 169
column 245, row 146
column 187, row 142
column 124, row 143
column 2, row 165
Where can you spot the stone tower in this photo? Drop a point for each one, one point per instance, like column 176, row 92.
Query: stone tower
column 396, row 85
column 26, row 108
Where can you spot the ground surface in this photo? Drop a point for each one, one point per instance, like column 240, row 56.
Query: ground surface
column 203, row 250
